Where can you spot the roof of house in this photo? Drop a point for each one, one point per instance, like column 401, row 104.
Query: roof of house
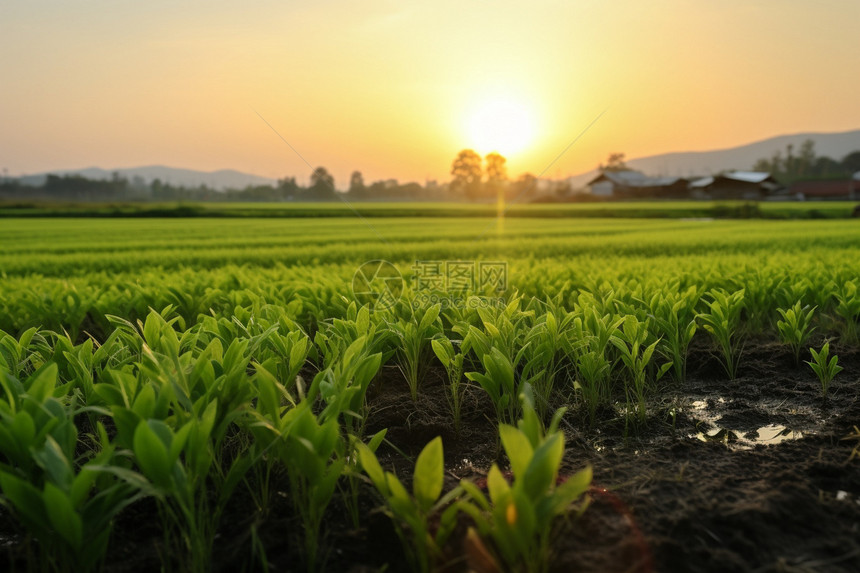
column 748, row 176
column 630, row 178
column 744, row 176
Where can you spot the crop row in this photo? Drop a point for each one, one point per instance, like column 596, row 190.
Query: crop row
column 187, row 416
column 188, row 411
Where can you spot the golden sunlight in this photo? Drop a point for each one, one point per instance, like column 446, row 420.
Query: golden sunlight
column 501, row 125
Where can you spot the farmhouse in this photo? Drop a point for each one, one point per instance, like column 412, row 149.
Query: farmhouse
column 736, row 185
column 832, row 190
column 629, row 183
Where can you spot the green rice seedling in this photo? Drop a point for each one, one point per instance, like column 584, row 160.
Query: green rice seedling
column 502, row 328
column 636, row 353
column 824, row 366
column 759, row 288
column 592, row 381
column 597, row 328
column 22, row 356
column 182, row 471
column 414, row 514
column 335, row 337
column 313, row 455
column 519, row 517
column 266, row 423
column 586, row 342
column 32, row 411
column 175, row 414
column 722, row 321
column 848, row 308
column 283, row 355
column 794, row 328
column 674, row 319
column 352, row 471
column 499, row 381
column 541, row 365
column 39, row 478
column 413, row 337
column 452, row 361
column 68, row 510
column 800, row 289
column 343, row 386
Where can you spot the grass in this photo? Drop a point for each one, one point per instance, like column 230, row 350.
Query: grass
column 597, row 209
column 220, row 348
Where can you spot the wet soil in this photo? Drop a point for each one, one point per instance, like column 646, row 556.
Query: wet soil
column 752, row 474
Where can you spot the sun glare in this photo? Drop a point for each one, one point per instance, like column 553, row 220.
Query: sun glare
column 501, row 125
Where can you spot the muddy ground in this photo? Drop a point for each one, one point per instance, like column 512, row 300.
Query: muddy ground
column 744, row 475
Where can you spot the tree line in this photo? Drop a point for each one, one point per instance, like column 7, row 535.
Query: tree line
column 790, row 166
column 473, row 178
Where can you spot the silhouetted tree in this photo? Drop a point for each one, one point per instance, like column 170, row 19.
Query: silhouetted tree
column 525, row 186
column 356, row 182
column 288, row 188
column 615, row 162
column 790, row 167
column 322, row 178
column 322, row 186
column 466, row 172
column 851, row 162
column 497, row 175
column 496, row 169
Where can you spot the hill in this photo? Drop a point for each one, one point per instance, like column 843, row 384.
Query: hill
column 221, row 179
column 693, row 163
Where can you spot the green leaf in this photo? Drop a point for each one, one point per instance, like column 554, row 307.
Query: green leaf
column 26, row 499
column 543, row 468
column 497, row 485
column 376, row 440
column 41, row 384
column 64, row 519
column 56, row 465
column 371, row 467
column 518, row 447
column 429, row 474
column 571, row 490
column 429, row 317
column 152, row 456
column 443, row 350
column 475, row 494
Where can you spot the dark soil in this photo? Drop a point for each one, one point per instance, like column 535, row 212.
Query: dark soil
column 745, row 475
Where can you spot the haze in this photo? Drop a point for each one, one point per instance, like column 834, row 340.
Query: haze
column 393, row 88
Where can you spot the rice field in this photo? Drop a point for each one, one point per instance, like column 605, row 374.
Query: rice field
column 428, row 393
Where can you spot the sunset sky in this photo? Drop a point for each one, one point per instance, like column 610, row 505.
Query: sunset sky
column 395, row 89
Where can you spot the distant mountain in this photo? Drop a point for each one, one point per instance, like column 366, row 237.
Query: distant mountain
column 693, row 163
column 222, row 179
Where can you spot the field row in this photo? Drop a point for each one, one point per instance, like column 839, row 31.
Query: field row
column 187, row 415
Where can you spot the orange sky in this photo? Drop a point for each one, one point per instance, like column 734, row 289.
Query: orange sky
column 391, row 88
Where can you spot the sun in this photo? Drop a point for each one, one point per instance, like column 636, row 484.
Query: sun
column 500, row 125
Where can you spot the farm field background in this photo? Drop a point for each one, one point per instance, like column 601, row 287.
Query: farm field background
column 624, row 209
column 711, row 445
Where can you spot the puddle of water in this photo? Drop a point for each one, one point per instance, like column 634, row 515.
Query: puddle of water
column 775, row 434
column 768, row 435
column 708, row 412
column 842, row 495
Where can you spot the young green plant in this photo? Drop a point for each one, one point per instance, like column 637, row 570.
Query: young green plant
column 631, row 342
column 824, row 366
column 412, row 513
column 794, row 328
column 722, row 321
column 519, row 517
column 452, row 361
